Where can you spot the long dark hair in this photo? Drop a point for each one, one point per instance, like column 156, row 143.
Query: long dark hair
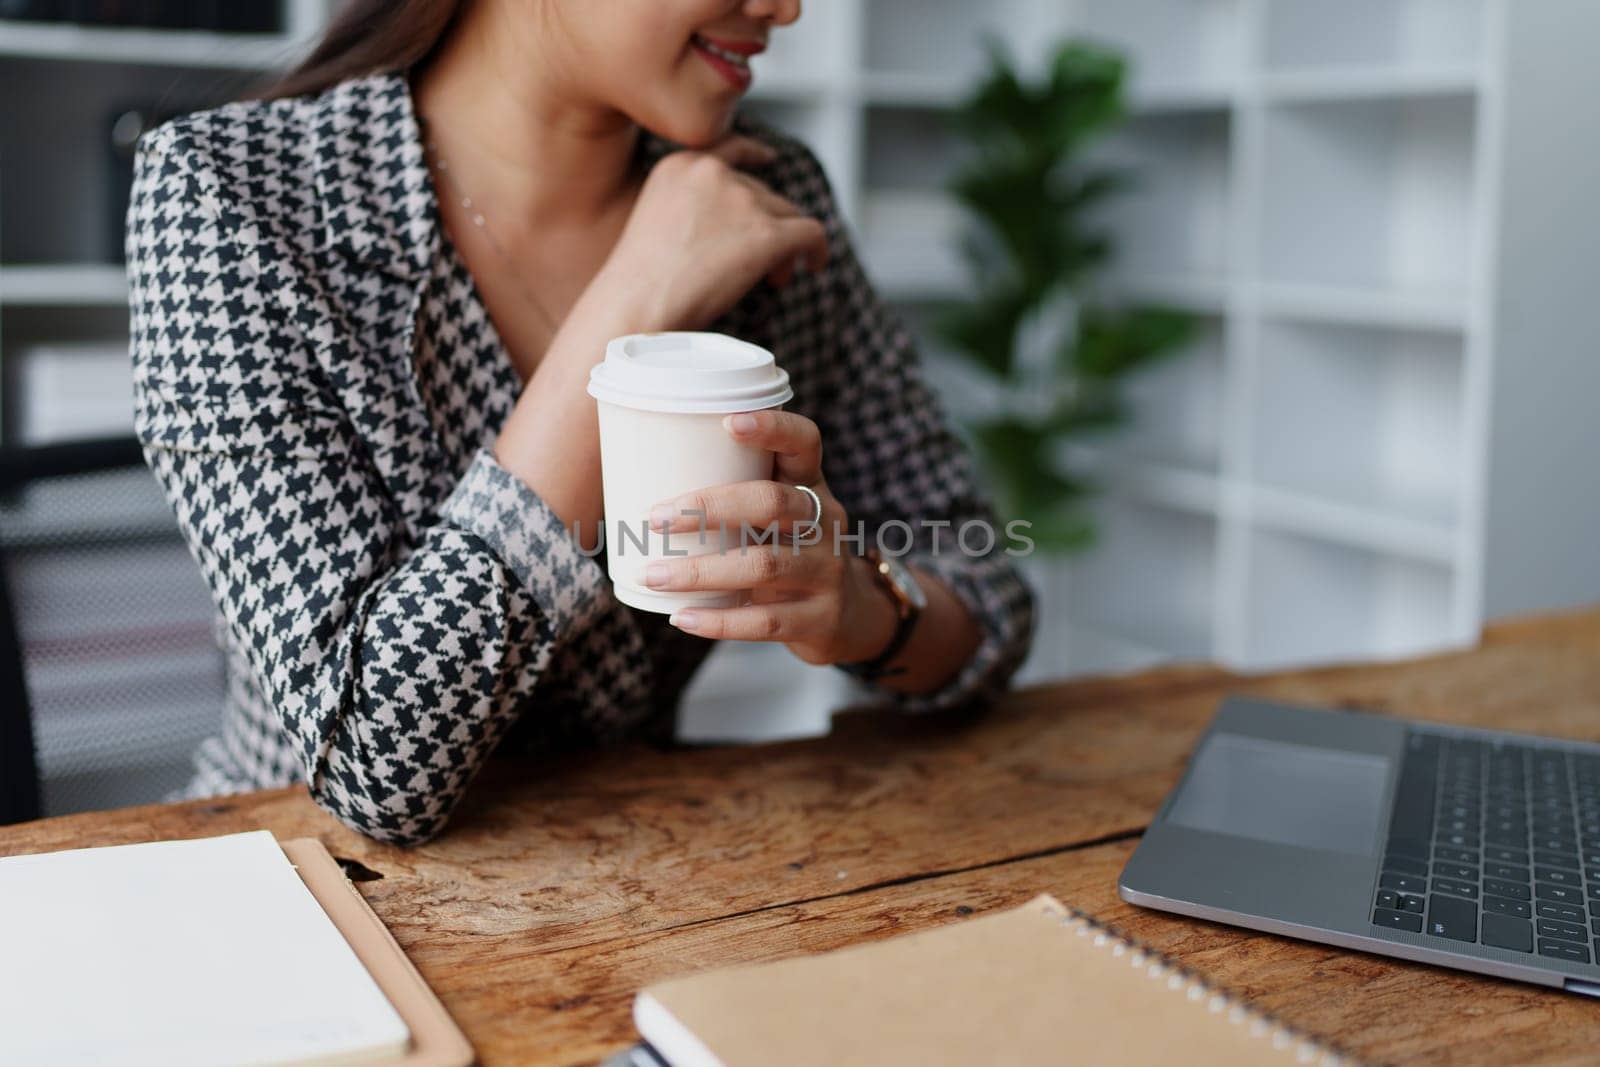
column 367, row 37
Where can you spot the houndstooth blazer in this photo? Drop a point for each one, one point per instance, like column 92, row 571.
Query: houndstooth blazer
column 317, row 387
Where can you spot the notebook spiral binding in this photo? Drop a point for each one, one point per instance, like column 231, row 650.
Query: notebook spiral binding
column 1284, row 1038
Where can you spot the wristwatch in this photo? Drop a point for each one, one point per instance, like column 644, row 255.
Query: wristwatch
column 910, row 600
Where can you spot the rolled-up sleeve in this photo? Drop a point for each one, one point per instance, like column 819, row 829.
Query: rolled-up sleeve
column 531, row 540
column 394, row 656
column 892, row 459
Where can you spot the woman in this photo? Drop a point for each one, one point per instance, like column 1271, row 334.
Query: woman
column 364, row 312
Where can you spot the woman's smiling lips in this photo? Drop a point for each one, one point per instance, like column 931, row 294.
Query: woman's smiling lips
column 731, row 59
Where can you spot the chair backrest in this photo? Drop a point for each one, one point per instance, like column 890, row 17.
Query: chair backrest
column 110, row 671
column 19, row 766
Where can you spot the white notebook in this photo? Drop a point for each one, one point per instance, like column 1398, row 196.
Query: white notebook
column 206, row 952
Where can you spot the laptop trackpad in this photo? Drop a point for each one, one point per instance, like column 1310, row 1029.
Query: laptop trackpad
column 1285, row 793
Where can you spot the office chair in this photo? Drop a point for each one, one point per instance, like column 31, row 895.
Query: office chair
column 19, row 766
column 108, row 672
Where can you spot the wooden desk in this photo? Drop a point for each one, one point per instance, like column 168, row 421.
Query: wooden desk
column 558, row 892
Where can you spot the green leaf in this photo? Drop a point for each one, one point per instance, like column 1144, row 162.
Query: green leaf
column 986, row 330
column 1033, row 248
column 1087, row 411
column 1113, row 343
column 1071, row 530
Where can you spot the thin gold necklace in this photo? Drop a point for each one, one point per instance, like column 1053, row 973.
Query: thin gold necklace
column 480, row 223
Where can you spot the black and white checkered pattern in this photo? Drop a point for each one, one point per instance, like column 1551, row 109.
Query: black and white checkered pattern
column 317, row 387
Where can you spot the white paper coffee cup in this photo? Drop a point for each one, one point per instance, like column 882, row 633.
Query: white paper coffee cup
column 662, row 398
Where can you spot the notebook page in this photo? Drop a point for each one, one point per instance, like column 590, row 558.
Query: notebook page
column 180, row 952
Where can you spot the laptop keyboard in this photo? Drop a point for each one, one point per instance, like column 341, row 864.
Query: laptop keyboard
column 1497, row 844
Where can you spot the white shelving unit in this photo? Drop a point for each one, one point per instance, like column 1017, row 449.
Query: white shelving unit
column 1347, row 463
column 1341, row 462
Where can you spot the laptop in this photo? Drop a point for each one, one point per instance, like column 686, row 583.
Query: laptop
column 1472, row 849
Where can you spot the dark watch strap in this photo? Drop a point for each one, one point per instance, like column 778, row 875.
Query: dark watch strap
column 878, row 666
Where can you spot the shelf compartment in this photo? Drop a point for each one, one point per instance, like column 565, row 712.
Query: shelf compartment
column 1204, row 294
column 1088, row 651
column 1045, row 574
column 1149, row 578
column 910, row 149
column 1333, row 84
column 786, row 85
column 798, row 119
column 1172, row 218
column 1420, row 310
column 1161, row 484
column 1287, row 512
column 1395, row 34
column 162, row 48
column 1313, row 601
column 803, row 53
column 1370, row 195
column 68, row 162
column 1175, row 407
column 969, row 393
column 71, row 391
column 908, row 222
column 946, row 37
column 910, row 244
column 64, row 285
column 1367, row 418
column 913, row 89
column 1178, row 99
column 1177, row 49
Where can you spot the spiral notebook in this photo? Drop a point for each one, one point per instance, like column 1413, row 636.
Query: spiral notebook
column 1033, row 985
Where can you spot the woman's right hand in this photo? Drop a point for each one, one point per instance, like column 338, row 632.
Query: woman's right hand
column 702, row 234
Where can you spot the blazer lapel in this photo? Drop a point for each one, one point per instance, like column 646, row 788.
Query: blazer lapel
column 379, row 228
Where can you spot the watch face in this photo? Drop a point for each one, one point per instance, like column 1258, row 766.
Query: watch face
column 905, row 583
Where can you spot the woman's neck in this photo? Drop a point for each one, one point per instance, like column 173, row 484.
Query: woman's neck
column 497, row 105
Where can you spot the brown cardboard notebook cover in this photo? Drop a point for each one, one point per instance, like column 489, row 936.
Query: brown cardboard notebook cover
column 436, row 1041
column 1034, row 985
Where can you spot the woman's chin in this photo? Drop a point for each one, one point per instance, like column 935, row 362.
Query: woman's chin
column 701, row 129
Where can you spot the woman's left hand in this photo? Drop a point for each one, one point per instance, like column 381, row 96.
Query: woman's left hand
column 810, row 589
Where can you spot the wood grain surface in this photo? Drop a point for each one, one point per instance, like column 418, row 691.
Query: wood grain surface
column 559, row 890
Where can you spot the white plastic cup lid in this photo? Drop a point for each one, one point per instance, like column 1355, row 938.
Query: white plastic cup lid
column 689, row 373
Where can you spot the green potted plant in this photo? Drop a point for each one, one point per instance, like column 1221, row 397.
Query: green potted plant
column 1034, row 325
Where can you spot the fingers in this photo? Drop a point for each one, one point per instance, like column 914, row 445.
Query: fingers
column 799, row 240
column 773, row 203
column 758, row 504
column 793, row 438
column 803, row 239
column 776, row 236
column 738, row 152
column 786, row 622
column 764, row 566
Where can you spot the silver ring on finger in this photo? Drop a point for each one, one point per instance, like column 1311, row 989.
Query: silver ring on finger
column 810, row 526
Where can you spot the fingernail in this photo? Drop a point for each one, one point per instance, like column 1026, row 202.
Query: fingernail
column 741, row 423
column 661, row 516
column 657, row 574
column 683, row 619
